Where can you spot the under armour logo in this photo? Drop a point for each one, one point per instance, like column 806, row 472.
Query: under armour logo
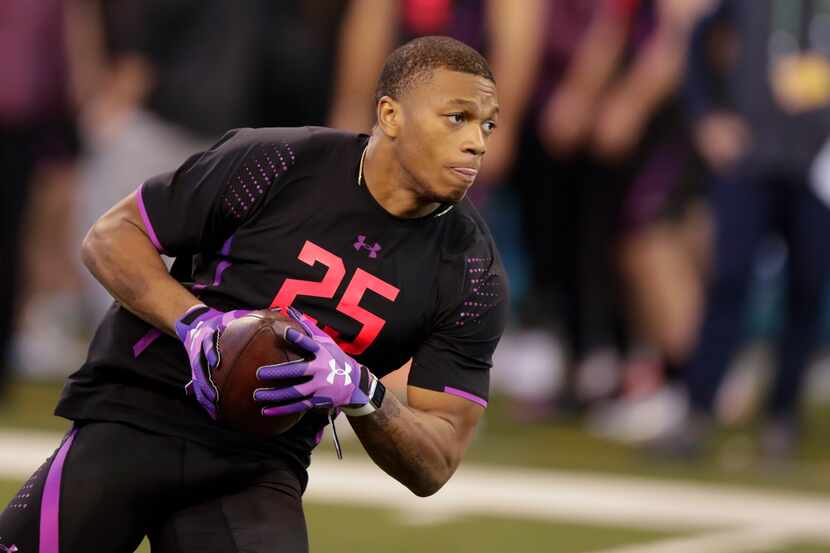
column 8, row 549
column 335, row 371
column 362, row 245
column 196, row 331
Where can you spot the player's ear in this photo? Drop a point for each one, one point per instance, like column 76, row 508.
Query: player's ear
column 389, row 116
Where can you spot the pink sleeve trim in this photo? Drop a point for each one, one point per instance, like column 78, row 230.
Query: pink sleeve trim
column 465, row 395
column 146, row 220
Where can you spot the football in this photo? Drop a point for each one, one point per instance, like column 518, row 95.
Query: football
column 246, row 344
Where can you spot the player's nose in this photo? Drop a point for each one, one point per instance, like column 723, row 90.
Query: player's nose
column 474, row 142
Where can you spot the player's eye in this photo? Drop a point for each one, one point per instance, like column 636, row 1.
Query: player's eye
column 455, row 118
column 489, row 127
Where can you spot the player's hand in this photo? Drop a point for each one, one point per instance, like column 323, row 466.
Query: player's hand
column 198, row 329
column 335, row 380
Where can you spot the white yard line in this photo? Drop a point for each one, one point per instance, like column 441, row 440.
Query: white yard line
column 577, row 497
column 23, row 452
column 738, row 520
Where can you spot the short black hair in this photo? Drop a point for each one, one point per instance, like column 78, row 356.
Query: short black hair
column 415, row 61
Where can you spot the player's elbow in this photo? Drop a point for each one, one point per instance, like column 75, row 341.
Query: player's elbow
column 426, row 485
column 91, row 247
column 101, row 243
column 119, row 229
column 426, row 490
column 428, row 481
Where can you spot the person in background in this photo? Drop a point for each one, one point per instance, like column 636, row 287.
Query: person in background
column 179, row 73
column 580, row 152
column 759, row 94
column 661, row 233
column 37, row 139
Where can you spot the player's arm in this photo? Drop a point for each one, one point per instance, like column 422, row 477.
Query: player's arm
column 194, row 209
column 120, row 253
column 420, row 444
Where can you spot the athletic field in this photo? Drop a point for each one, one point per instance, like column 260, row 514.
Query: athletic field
column 539, row 488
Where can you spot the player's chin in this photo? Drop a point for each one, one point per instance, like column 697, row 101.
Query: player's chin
column 449, row 196
column 453, row 192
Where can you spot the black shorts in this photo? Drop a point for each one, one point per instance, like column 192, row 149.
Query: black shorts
column 108, row 485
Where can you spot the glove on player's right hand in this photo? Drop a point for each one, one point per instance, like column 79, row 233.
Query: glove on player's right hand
column 198, row 330
column 334, row 379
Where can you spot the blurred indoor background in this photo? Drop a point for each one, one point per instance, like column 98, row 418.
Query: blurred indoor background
column 658, row 186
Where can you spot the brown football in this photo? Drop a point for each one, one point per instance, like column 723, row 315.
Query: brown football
column 246, row 344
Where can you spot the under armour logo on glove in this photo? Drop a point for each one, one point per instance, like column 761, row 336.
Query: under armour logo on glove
column 335, row 371
column 324, row 363
column 362, row 245
column 8, row 548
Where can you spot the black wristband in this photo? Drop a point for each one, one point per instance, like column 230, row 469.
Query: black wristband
column 193, row 313
column 377, row 398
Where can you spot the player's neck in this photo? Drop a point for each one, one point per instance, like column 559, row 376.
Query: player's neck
column 390, row 185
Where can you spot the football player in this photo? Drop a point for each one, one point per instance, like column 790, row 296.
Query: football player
column 369, row 237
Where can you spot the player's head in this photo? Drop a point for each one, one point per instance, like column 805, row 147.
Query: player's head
column 436, row 101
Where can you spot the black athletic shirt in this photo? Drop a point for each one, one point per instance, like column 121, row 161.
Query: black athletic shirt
column 275, row 217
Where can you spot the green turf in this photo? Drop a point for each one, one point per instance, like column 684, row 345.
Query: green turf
column 347, row 528
column 30, row 405
column 555, row 444
column 564, row 445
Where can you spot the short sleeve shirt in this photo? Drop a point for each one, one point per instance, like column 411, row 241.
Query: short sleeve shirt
column 276, row 217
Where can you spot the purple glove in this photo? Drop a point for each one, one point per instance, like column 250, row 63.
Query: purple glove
column 335, row 380
column 198, row 329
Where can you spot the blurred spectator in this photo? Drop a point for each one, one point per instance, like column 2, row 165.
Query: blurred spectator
column 580, row 147
column 759, row 90
column 153, row 81
column 36, row 133
column 601, row 166
column 663, row 222
column 182, row 72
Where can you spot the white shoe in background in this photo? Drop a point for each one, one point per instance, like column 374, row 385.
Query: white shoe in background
column 817, row 388
column 598, row 375
column 528, row 365
column 744, row 385
column 642, row 420
column 50, row 341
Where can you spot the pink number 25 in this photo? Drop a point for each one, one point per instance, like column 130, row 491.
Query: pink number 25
column 361, row 281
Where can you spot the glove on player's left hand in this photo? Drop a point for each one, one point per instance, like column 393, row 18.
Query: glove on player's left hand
column 336, row 380
column 198, row 330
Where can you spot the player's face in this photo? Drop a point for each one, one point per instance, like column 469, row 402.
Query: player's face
column 443, row 137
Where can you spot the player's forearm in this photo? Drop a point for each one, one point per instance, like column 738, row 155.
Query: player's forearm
column 125, row 262
column 418, row 449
